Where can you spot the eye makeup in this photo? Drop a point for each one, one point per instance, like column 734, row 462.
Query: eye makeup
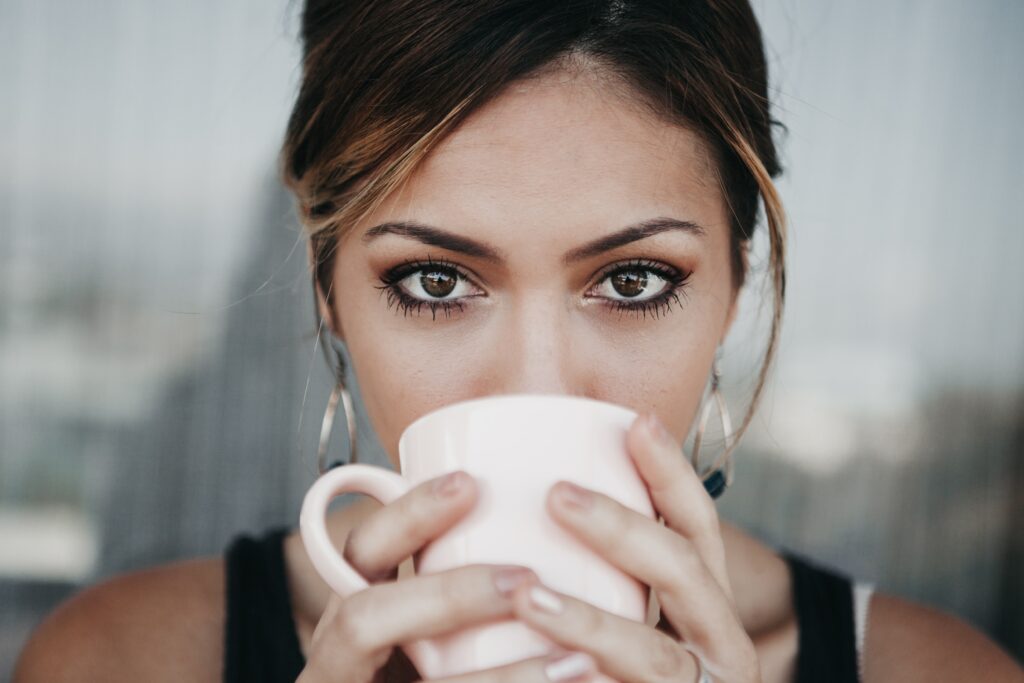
column 658, row 304
column 426, row 275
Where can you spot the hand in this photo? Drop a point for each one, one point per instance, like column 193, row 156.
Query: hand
column 683, row 562
column 355, row 637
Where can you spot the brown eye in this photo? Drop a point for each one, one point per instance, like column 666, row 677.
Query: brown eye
column 414, row 285
column 639, row 287
column 438, row 283
column 433, row 283
column 630, row 283
column 634, row 283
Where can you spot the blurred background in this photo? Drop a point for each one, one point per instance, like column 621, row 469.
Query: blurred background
column 159, row 390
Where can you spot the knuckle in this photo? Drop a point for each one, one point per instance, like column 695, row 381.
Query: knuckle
column 668, row 579
column 353, row 552
column 349, row 628
column 621, row 521
column 419, row 514
column 688, row 560
column 666, row 658
column 698, row 634
column 451, row 590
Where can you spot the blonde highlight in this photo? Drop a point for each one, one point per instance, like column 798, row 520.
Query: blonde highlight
column 374, row 103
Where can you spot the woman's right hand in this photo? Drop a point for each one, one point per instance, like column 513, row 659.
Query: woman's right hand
column 355, row 636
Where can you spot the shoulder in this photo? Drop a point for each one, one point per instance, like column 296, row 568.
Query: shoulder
column 163, row 623
column 907, row 641
column 904, row 640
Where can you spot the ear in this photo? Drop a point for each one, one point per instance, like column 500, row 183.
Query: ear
column 322, row 307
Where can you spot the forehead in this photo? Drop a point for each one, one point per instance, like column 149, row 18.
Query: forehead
column 562, row 150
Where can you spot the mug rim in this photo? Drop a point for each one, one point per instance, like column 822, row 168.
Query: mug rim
column 517, row 397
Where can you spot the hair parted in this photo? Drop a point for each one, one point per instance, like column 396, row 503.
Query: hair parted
column 384, row 81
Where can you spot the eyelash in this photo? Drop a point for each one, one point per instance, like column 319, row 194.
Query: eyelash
column 656, row 305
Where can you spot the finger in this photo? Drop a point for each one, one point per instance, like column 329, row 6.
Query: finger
column 558, row 666
column 376, row 546
column 690, row 596
column 363, row 628
column 677, row 492
column 627, row 650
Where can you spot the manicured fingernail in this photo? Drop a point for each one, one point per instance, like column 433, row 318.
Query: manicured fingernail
column 574, row 495
column 657, row 429
column 545, row 600
column 573, row 666
column 508, row 579
column 448, row 485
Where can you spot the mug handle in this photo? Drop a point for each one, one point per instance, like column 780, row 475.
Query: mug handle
column 385, row 486
column 376, row 482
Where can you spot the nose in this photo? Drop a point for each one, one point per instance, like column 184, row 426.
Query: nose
column 535, row 352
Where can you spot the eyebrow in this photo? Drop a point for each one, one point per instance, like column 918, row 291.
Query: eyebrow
column 464, row 245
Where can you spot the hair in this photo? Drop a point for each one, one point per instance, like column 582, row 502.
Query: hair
column 385, row 81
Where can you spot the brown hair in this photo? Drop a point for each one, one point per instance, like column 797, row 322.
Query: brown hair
column 384, row 81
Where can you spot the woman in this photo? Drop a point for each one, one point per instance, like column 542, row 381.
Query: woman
column 525, row 196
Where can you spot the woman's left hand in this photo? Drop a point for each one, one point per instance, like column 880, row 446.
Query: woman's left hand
column 683, row 562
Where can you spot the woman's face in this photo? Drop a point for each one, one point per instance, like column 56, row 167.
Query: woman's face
column 560, row 241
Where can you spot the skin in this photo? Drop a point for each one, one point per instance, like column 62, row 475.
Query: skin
column 550, row 165
column 526, row 177
column 531, row 323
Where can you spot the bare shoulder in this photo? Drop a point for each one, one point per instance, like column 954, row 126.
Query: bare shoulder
column 904, row 641
column 908, row 641
column 164, row 623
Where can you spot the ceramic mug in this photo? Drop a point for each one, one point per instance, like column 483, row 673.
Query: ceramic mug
column 516, row 446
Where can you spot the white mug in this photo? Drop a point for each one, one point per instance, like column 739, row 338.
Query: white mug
column 516, row 446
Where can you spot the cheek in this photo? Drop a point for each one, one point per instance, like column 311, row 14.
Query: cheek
column 665, row 373
column 405, row 376
column 664, row 370
column 409, row 365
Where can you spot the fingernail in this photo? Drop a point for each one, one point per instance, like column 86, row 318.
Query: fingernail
column 657, row 429
column 448, row 485
column 574, row 495
column 508, row 579
column 572, row 666
column 545, row 600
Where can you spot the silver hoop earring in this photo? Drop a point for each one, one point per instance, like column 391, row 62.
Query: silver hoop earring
column 719, row 475
column 339, row 391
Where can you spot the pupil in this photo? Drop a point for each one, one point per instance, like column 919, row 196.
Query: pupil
column 437, row 283
column 630, row 282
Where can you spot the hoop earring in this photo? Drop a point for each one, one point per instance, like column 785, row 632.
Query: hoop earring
column 339, row 391
column 719, row 475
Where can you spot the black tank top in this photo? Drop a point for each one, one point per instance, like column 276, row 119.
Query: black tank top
column 262, row 645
